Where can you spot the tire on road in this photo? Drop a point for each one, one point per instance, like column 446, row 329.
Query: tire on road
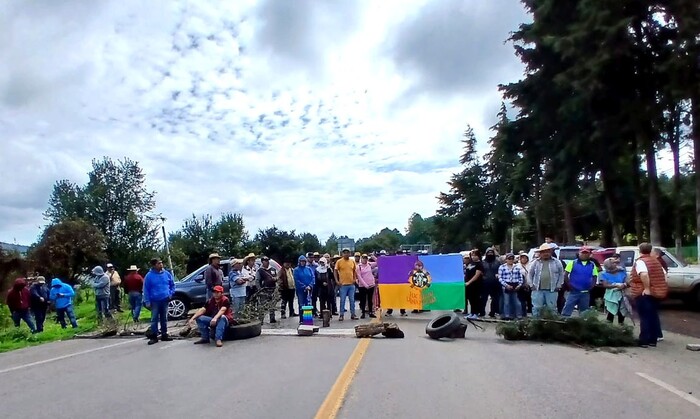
column 443, row 325
column 243, row 331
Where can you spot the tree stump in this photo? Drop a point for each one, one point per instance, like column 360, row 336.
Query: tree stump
column 372, row 329
column 326, row 314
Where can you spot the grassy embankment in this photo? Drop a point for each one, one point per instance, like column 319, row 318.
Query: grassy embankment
column 12, row 338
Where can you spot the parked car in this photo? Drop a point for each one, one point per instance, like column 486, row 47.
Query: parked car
column 564, row 253
column 683, row 280
column 191, row 291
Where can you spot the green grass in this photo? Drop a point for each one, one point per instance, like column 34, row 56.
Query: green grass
column 12, row 338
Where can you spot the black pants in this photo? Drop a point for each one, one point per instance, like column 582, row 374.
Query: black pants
column 367, row 300
column 472, row 298
column 39, row 313
column 391, row 310
column 249, row 292
column 525, row 297
column 287, row 300
column 325, row 294
column 114, row 298
column 491, row 288
column 620, row 317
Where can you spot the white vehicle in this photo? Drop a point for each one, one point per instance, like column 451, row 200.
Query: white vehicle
column 683, row 280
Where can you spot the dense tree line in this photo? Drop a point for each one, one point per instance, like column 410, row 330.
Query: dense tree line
column 608, row 84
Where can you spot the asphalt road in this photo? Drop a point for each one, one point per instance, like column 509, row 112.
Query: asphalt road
column 284, row 376
column 676, row 317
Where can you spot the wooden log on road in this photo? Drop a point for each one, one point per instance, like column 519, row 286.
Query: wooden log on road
column 372, row 329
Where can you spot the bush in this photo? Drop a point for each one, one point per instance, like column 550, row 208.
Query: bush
column 586, row 330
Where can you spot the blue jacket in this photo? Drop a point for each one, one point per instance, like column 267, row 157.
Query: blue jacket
column 304, row 276
column 236, row 290
column 157, row 286
column 66, row 291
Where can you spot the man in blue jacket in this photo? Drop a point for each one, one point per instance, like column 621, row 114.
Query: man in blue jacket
column 304, row 279
column 580, row 275
column 61, row 297
column 158, row 288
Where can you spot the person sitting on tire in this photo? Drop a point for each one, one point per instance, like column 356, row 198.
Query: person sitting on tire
column 216, row 314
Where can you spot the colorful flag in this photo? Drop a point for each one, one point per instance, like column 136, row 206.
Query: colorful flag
column 437, row 285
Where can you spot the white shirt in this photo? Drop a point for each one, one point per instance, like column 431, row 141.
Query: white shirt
column 641, row 267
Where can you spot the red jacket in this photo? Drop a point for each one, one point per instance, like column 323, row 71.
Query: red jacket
column 18, row 297
column 133, row 282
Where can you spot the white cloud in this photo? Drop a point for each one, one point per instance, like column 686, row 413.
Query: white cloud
column 321, row 117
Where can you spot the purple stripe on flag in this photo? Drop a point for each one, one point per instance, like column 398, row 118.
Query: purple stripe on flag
column 395, row 269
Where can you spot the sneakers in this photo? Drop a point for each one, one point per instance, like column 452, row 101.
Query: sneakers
column 219, row 344
column 353, row 317
column 660, row 339
column 362, row 316
column 341, row 318
column 153, row 341
column 202, row 341
column 166, row 338
column 372, row 316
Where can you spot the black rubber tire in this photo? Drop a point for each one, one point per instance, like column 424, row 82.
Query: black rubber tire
column 243, row 331
column 443, row 325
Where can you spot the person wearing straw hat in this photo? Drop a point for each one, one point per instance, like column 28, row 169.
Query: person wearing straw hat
column 248, row 273
column 545, row 278
column 133, row 287
column 213, row 275
column 237, row 286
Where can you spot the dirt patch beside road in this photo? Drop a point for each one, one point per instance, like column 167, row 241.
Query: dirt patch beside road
column 677, row 318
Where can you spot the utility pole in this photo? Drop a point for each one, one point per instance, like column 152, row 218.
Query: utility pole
column 167, row 248
column 512, row 238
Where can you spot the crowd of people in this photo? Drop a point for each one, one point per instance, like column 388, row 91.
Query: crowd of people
column 511, row 286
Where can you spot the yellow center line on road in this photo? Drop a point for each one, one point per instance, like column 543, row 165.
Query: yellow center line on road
column 336, row 396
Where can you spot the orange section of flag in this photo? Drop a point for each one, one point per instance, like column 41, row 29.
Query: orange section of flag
column 398, row 296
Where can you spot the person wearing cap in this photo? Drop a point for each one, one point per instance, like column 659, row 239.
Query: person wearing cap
column 133, row 287
column 266, row 276
column 39, row 301
column 158, row 288
column 525, row 293
column 286, row 284
column 511, row 279
column 100, row 283
column 304, row 280
column 545, row 278
column 346, row 278
column 317, row 258
column 357, row 257
column 115, row 281
column 216, row 314
column 580, row 277
column 248, row 273
column 237, row 286
column 213, row 275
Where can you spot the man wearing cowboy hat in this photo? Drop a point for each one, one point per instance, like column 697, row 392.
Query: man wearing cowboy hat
column 580, row 276
column 213, row 275
column 237, row 286
column 545, row 278
column 248, row 273
column 133, row 287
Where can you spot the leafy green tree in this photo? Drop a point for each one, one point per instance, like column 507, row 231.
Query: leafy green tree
column 117, row 202
column 68, row 247
column 310, row 243
column 331, row 245
column 278, row 244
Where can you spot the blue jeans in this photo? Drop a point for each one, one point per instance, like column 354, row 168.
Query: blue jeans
column 544, row 299
column 61, row 313
column 303, row 298
column 135, row 302
column 237, row 305
column 649, row 323
column 203, row 323
column 23, row 315
column 580, row 298
column 102, row 307
column 159, row 314
column 511, row 305
column 347, row 291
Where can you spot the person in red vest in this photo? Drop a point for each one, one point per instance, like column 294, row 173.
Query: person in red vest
column 133, row 287
column 648, row 287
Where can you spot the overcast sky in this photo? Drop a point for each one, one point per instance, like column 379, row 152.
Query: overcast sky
column 321, row 116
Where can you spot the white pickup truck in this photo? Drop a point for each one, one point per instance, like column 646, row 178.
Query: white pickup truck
column 683, row 280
